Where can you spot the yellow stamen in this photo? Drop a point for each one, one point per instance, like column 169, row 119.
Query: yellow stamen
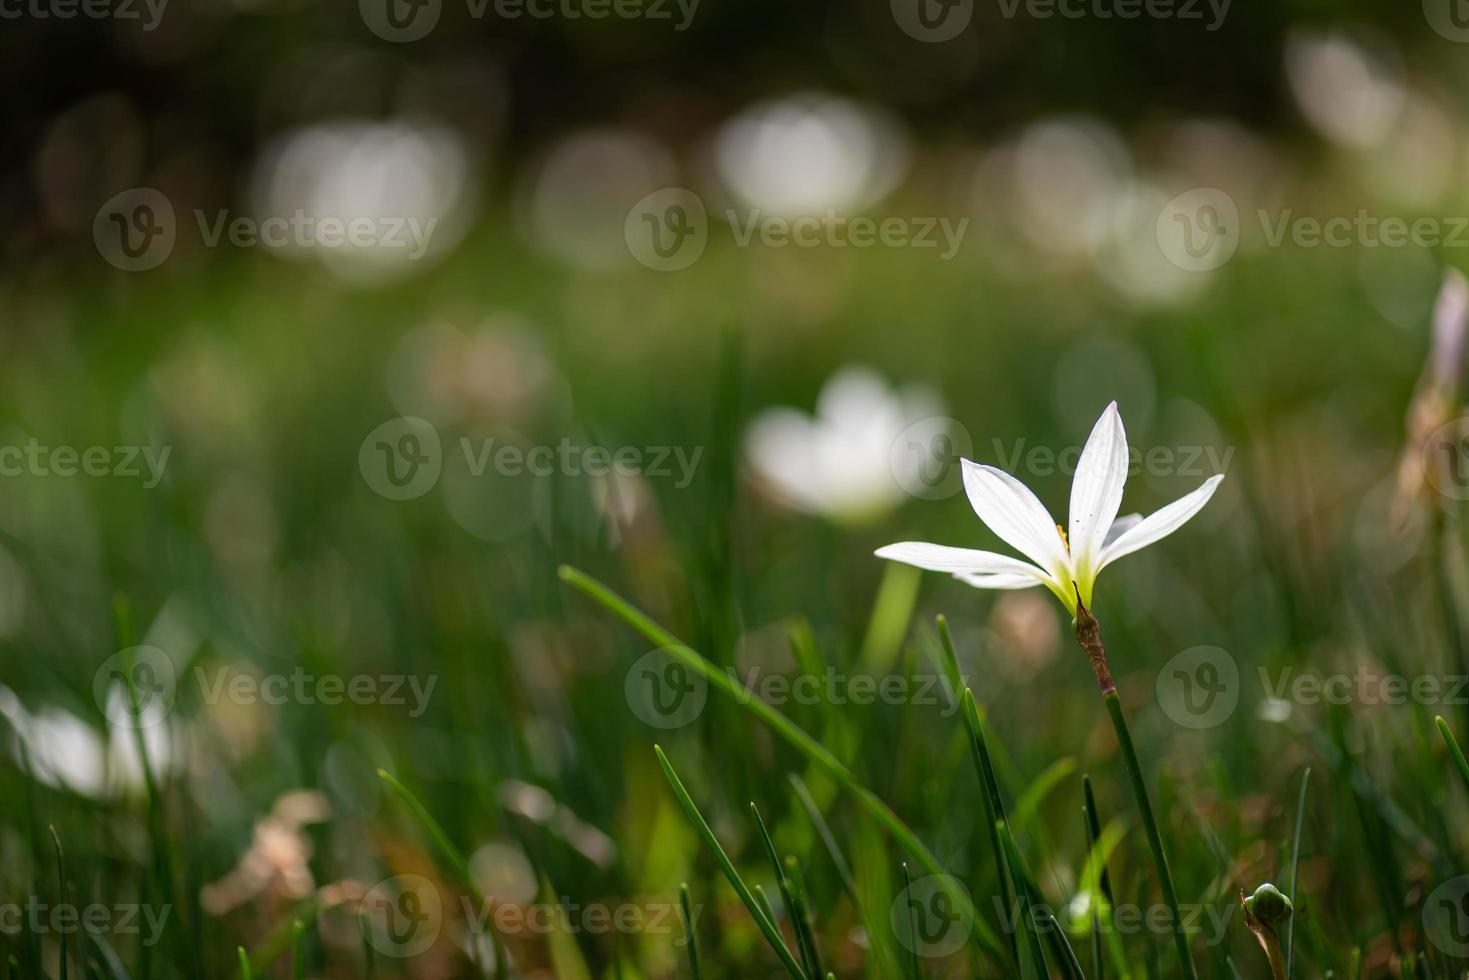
column 1062, row 531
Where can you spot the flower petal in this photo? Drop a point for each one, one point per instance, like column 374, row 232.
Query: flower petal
column 1003, row 581
column 1096, row 490
column 1008, row 508
column 941, row 558
column 1160, row 523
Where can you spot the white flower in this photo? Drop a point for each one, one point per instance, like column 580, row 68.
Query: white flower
column 1067, row 564
column 840, row 463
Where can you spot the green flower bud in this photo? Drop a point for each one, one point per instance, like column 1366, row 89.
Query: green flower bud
column 1269, row 905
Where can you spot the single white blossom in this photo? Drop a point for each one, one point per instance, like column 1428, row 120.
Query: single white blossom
column 840, row 462
column 1065, row 562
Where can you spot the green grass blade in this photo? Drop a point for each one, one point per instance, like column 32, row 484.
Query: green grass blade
column 245, row 972
column 1295, row 866
column 783, row 727
column 801, row 915
column 915, row 971
column 298, row 949
column 61, row 891
column 785, row 894
column 1022, row 908
column 451, row 854
column 1454, row 750
column 767, row 926
column 690, row 936
column 1093, row 831
column 994, row 810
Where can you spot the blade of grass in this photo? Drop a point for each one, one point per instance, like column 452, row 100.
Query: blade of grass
column 801, row 914
column 783, row 727
column 245, row 972
column 1027, row 925
column 1093, row 831
column 1295, row 866
column 915, row 972
column 61, row 890
column 451, row 854
column 994, row 809
column 1454, row 750
column 690, row 937
column 785, row 894
column 767, row 926
column 298, row 949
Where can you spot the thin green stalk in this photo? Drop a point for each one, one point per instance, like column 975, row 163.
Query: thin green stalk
column 915, row 972
column 994, row 808
column 61, row 890
column 1454, row 750
column 1295, row 866
column 1027, row 924
column 1089, row 636
column 786, row 729
column 690, row 937
column 1150, row 824
column 1093, row 832
column 751, row 902
column 298, row 949
column 786, row 896
column 451, row 854
column 801, row 915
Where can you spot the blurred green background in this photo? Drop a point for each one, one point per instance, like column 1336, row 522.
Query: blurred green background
column 270, row 542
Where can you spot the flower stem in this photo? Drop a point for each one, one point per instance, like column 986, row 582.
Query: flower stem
column 1089, row 635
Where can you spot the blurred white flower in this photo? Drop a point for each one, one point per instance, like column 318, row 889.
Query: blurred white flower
column 1066, row 564
column 66, row 752
column 806, row 153
column 839, row 462
column 408, row 184
column 1350, row 92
